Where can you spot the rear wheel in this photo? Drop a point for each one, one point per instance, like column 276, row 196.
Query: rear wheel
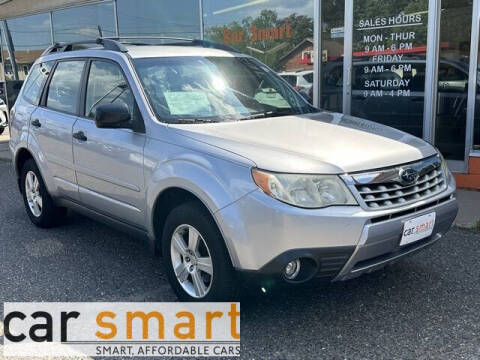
column 2, row 129
column 196, row 260
column 39, row 205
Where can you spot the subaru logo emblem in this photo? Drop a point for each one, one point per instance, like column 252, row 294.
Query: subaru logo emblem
column 408, row 176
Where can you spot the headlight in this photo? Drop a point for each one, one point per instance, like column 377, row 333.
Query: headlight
column 307, row 191
column 444, row 167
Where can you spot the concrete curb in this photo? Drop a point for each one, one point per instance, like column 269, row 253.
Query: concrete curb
column 469, row 208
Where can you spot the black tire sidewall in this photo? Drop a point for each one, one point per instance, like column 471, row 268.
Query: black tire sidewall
column 223, row 286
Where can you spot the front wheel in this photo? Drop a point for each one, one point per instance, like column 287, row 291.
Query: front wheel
column 196, row 260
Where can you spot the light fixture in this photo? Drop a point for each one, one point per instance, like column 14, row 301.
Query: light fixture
column 292, row 269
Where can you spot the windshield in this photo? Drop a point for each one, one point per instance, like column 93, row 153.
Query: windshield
column 213, row 89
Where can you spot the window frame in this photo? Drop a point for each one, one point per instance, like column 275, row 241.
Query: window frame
column 81, row 99
column 46, row 88
column 140, row 124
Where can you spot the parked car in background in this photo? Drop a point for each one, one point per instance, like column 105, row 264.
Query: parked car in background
column 3, row 116
column 226, row 170
column 301, row 80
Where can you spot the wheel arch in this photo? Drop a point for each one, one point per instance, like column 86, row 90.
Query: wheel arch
column 22, row 155
column 166, row 201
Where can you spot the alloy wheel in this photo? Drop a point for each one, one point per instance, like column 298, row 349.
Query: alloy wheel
column 191, row 261
column 32, row 192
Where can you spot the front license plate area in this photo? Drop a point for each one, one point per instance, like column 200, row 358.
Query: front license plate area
column 418, row 228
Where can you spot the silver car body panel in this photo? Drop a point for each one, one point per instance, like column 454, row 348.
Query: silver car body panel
column 19, row 129
column 109, row 170
column 52, row 142
column 119, row 174
column 323, row 143
column 261, row 228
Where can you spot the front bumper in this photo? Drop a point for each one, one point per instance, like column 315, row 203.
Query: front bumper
column 340, row 243
column 379, row 243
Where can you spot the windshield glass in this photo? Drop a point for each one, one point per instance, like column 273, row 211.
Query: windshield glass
column 212, row 89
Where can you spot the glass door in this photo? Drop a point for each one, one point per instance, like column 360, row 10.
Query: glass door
column 332, row 39
column 474, row 90
column 453, row 80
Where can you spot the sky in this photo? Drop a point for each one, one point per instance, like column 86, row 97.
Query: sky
column 219, row 12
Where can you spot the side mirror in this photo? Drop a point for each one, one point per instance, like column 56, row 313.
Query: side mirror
column 112, row 116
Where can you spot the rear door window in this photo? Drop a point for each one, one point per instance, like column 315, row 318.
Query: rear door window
column 35, row 82
column 64, row 88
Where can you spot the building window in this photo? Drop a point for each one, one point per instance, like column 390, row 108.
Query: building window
column 281, row 38
column 84, row 22
column 389, row 48
column 307, row 57
column 169, row 18
column 30, row 36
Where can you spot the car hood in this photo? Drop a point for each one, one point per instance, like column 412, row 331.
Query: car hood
column 320, row 143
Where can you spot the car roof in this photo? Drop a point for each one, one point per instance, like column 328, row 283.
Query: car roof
column 114, row 47
column 147, row 51
column 140, row 51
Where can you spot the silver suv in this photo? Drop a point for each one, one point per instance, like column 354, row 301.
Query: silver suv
column 222, row 166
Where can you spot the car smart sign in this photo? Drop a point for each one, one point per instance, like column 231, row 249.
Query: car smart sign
column 121, row 329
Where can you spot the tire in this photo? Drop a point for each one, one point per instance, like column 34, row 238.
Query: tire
column 48, row 214
column 2, row 129
column 221, row 285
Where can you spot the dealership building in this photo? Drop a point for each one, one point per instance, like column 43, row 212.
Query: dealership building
column 410, row 64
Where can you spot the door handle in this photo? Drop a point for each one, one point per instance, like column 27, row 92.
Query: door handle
column 79, row 135
column 36, row 123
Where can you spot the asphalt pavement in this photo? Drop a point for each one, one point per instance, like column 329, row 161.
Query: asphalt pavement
column 424, row 307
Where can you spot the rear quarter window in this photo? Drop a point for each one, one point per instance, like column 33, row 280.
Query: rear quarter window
column 36, row 80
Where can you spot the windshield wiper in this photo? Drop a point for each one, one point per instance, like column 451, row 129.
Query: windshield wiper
column 270, row 113
column 194, row 120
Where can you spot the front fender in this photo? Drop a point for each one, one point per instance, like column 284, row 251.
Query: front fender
column 217, row 183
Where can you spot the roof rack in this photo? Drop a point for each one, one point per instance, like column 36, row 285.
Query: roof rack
column 108, row 44
column 178, row 41
column 116, row 43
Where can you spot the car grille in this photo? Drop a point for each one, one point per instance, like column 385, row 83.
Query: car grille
column 386, row 189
